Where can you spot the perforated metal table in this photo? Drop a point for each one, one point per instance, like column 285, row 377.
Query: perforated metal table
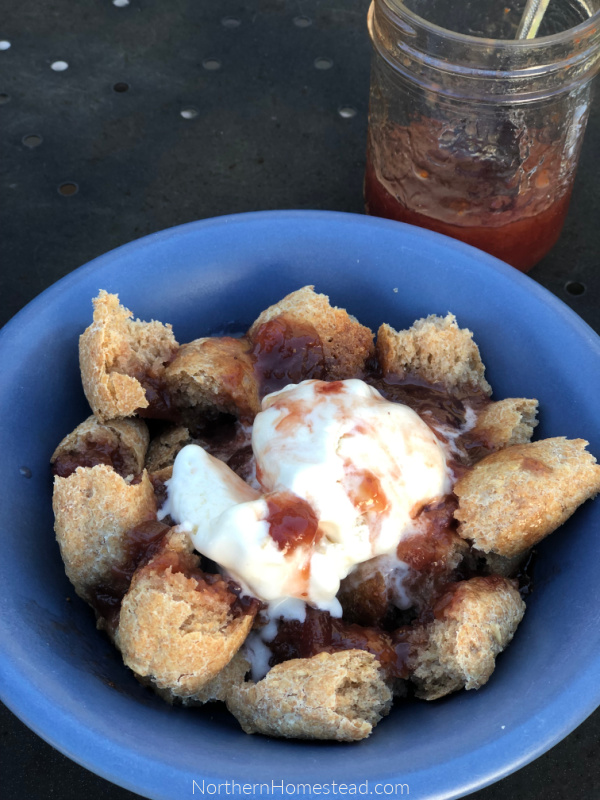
column 122, row 118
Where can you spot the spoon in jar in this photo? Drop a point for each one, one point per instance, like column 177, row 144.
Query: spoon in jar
column 532, row 19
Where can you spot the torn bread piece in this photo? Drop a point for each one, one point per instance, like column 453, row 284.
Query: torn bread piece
column 366, row 593
column 433, row 563
column 159, row 484
column 493, row 564
column 228, row 680
column 214, row 374
column 178, row 626
column 512, row 499
column 346, row 343
column 120, row 444
column 503, row 424
column 164, row 447
column 93, row 509
column 329, row 696
column 375, row 589
column 117, row 355
column 474, row 621
column 435, row 350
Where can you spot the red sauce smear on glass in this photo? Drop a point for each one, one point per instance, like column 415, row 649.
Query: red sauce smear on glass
column 521, row 243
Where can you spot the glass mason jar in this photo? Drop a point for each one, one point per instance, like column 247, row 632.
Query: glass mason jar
column 476, row 137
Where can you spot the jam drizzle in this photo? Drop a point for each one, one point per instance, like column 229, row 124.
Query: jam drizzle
column 286, row 351
column 322, row 633
column 292, row 522
column 92, row 454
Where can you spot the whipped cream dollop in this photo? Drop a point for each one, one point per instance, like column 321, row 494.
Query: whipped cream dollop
column 343, row 475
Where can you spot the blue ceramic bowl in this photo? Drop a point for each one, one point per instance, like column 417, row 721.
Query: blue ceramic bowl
column 65, row 681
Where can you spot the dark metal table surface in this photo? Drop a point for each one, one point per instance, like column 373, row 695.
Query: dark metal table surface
column 172, row 111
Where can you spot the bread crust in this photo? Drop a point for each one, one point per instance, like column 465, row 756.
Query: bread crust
column 512, row 499
column 346, row 343
column 435, row 350
column 112, row 349
column 129, row 437
column 475, row 621
column 329, row 696
column 176, row 634
column 214, row 374
column 93, row 509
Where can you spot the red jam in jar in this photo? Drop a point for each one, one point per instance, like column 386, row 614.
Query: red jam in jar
column 474, row 133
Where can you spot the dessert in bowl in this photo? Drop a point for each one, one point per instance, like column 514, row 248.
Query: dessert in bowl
column 415, row 742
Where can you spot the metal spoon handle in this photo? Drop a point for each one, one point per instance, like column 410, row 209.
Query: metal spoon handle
column 532, row 19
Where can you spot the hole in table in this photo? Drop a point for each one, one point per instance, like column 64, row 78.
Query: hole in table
column 575, row 288
column 323, row 63
column 25, row 472
column 32, row 140
column 231, row 22
column 346, row 112
column 211, row 64
column 189, row 113
column 59, row 66
column 302, row 22
column 121, row 87
column 4, row 45
column 68, row 189
column 4, row 98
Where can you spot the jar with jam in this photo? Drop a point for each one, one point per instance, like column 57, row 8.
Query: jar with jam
column 473, row 133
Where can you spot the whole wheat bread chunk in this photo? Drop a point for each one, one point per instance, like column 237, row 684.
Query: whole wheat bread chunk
column 346, row 343
column 174, row 631
column 506, row 422
column 93, row 509
column 228, row 680
column 164, row 447
column 214, row 374
column 512, row 499
column 125, row 439
column 435, row 350
column 113, row 349
column 477, row 620
column 329, row 696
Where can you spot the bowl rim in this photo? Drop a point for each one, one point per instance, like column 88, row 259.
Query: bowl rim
column 513, row 750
